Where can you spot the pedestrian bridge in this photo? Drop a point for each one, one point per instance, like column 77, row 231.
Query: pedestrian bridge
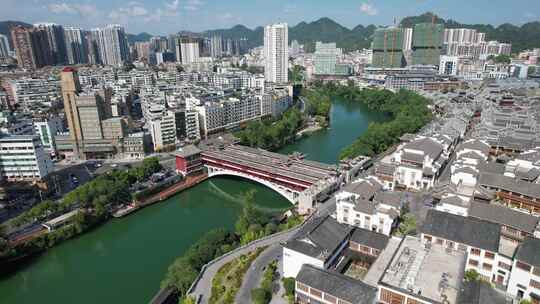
column 300, row 181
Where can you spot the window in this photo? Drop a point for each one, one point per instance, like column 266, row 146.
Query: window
column 428, row 238
column 330, row 298
column 523, row 266
column 534, row 284
column 315, row 292
column 412, row 301
column 489, row 255
column 475, row 251
column 391, row 298
column 462, row 247
column 302, row 287
column 439, row 241
column 487, row 266
column 473, row 263
column 504, row 266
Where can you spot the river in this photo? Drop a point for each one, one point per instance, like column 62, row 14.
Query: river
column 124, row 261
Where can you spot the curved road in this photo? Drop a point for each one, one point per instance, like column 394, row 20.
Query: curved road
column 203, row 288
column 253, row 276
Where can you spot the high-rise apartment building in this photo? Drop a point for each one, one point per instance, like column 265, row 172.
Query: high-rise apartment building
column 112, row 45
column 76, row 45
column 23, row 45
column 4, row 46
column 188, row 50
column 216, row 46
column 55, row 40
column 276, row 53
column 407, row 39
column 427, row 44
column 326, row 56
column 387, row 48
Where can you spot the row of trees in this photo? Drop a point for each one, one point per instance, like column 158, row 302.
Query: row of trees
column 269, row 134
column 183, row 271
column 251, row 225
column 409, row 112
column 263, row 294
column 94, row 197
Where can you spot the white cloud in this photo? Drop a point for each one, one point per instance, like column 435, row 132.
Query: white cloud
column 84, row 10
column 61, row 8
column 193, row 5
column 368, row 9
column 173, row 6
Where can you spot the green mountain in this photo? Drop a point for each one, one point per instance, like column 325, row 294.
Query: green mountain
column 526, row 36
column 141, row 37
column 324, row 29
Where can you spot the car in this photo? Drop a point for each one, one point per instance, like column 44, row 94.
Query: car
column 114, row 165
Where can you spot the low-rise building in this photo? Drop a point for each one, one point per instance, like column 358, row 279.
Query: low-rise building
column 22, row 158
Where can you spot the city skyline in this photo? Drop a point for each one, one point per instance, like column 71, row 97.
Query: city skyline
column 164, row 17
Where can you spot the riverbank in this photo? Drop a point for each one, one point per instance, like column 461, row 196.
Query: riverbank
column 145, row 244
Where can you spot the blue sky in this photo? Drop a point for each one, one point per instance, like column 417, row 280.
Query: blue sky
column 168, row 16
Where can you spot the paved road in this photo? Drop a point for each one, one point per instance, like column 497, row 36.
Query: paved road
column 253, row 276
column 203, row 288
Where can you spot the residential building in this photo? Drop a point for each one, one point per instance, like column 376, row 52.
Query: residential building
column 276, row 53
column 362, row 204
column 188, row 160
column 76, row 45
column 5, row 50
column 163, row 132
column 449, row 65
column 326, row 55
column 47, row 129
column 387, row 48
column 418, row 163
column 22, row 158
column 525, row 274
column 427, row 44
column 188, row 50
column 316, row 285
column 56, row 41
column 112, row 45
column 319, row 244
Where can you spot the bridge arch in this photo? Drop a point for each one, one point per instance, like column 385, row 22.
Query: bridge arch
column 289, row 195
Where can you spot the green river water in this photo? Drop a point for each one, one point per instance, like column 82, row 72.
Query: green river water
column 124, row 260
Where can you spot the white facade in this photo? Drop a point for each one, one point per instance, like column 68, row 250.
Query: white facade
column 163, row 131
column 47, row 130
column 75, row 45
column 23, row 158
column 524, row 280
column 112, row 44
column 449, row 65
column 293, row 261
column 4, row 46
column 276, row 53
column 189, row 52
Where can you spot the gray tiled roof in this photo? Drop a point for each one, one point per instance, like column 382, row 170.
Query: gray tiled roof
column 510, row 184
column 465, row 230
column 336, row 284
column 369, row 238
column 427, row 145
column 390, row 198
column 528, row 252
column 365, row 189
column 319, row 238
column 503, row 215
column 480, row 292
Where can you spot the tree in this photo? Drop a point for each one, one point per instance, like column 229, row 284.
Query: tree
column 260, row 296
column 471, row 275
column 187, row 300
column 407, row 225
column 289, row 284
column 525, row 302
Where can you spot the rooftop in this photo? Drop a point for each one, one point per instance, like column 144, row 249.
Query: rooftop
column 430, row 273
column 528, row 252
column 336, row 284
column 465, row 230
column 503, row 215
column 319, row 238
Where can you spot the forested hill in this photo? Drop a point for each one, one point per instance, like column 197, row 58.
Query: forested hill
column 325, row 29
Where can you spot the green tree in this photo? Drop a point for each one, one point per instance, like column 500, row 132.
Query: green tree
column 187, row 300
column 471, row 275
column 289, row 284
column 260, row 296
column 407, row 225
